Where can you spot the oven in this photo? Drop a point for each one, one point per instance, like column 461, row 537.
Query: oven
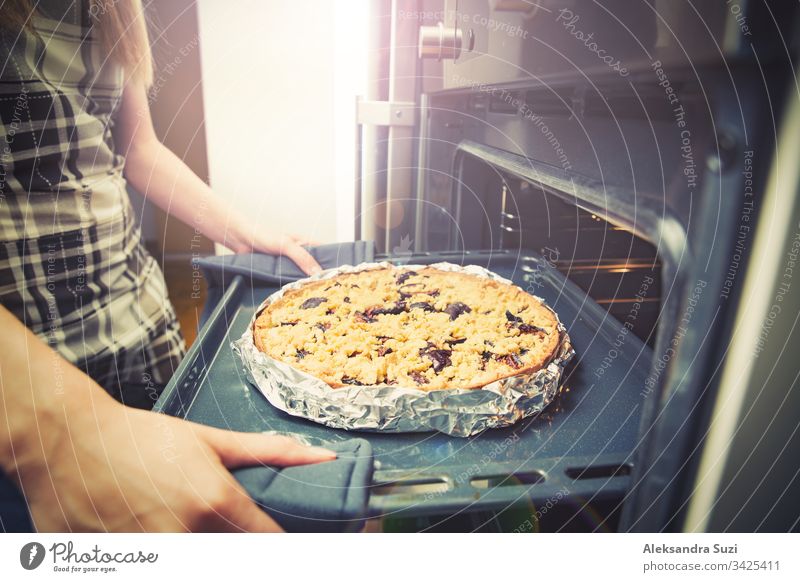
column 625, row 146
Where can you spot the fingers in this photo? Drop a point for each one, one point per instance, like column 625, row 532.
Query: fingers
column 302, row 258
column 290, row 246
column 241, row 449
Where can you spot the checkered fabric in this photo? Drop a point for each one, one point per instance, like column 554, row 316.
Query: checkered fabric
column 72, row 266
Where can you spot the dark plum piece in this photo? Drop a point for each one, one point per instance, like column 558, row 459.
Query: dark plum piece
column 440, row 358
column 352, row 381
column 404, row 276
column 363, row 317
column 330, row 311
column 512, row 318
column 396, row 309
column 455, row 342
column 433, row 292
column 301, row 353
column 323, row 326
column 515, row 321
column 382, row 351
column 510, row 360
column 456, row 309
column 346, row 299
column 527, row 328
column 424, row 305
column 312, row 302
column 383, row 338
column 404, row 295
column 285, row 323
column 418, row 377
column 369, row 315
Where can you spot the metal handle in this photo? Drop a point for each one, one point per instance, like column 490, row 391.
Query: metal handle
column 439, row 42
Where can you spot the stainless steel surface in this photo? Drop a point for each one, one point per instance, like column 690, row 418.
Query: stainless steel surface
column 402, row 88
column 755, row 408
column 440, row 42
column 420, row 226
column 370, row 174
column 386, row 113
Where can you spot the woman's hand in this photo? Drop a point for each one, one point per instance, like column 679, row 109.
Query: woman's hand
column 128, row 470
column 85, row 462
column 164, row 179
column 281, row 244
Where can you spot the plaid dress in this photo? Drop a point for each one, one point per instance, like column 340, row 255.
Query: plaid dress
column 72, row 266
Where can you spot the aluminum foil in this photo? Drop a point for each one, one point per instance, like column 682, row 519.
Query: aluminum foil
column 396, row 409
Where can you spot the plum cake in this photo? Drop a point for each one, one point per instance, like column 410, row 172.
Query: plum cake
column 417, row 328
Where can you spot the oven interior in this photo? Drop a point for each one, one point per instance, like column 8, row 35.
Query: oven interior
column 609, row 262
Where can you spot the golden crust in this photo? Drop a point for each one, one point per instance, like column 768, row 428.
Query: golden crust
column 426, row 329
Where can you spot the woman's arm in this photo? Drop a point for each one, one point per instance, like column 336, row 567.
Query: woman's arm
column 87, row 463
column 166, row 180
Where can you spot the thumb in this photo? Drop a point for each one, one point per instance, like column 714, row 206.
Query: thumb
column 242, row 449
column 302, row 258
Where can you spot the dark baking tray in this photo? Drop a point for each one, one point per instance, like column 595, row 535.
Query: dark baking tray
column 580, row 448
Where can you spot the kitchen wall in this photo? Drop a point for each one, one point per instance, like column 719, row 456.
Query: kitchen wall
column 279, row 86
column 176, row 105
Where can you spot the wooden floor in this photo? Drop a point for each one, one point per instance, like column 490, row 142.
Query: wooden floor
column 187, row 292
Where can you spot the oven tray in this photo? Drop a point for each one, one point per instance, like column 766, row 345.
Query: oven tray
column 580, row 448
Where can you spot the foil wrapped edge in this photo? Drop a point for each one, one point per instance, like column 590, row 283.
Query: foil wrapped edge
column 385, row 408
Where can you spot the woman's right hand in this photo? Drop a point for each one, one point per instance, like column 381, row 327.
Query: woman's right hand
column 120, row 469
column 85, row 462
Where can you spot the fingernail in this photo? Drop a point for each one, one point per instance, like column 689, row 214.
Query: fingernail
column 315, row 270
column 322, row 452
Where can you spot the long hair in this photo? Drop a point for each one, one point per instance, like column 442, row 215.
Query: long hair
column 120, row 25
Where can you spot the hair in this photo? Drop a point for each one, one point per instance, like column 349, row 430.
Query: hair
column 120, row 25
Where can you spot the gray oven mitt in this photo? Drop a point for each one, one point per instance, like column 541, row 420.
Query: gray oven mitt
column 261, row 270
column 324, row 497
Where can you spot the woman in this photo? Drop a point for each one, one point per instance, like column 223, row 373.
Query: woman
column 76, row 132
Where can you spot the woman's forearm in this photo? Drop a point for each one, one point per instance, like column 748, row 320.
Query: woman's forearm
column 39, row 392
column 168, row 182
column 164, row 179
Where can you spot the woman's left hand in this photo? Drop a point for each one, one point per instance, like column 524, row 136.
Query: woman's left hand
column 166, row 180
column 282, row 244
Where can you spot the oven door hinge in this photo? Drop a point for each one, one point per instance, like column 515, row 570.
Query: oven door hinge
column 385, row 113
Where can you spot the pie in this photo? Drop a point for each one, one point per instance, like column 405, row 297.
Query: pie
column 421, row 328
